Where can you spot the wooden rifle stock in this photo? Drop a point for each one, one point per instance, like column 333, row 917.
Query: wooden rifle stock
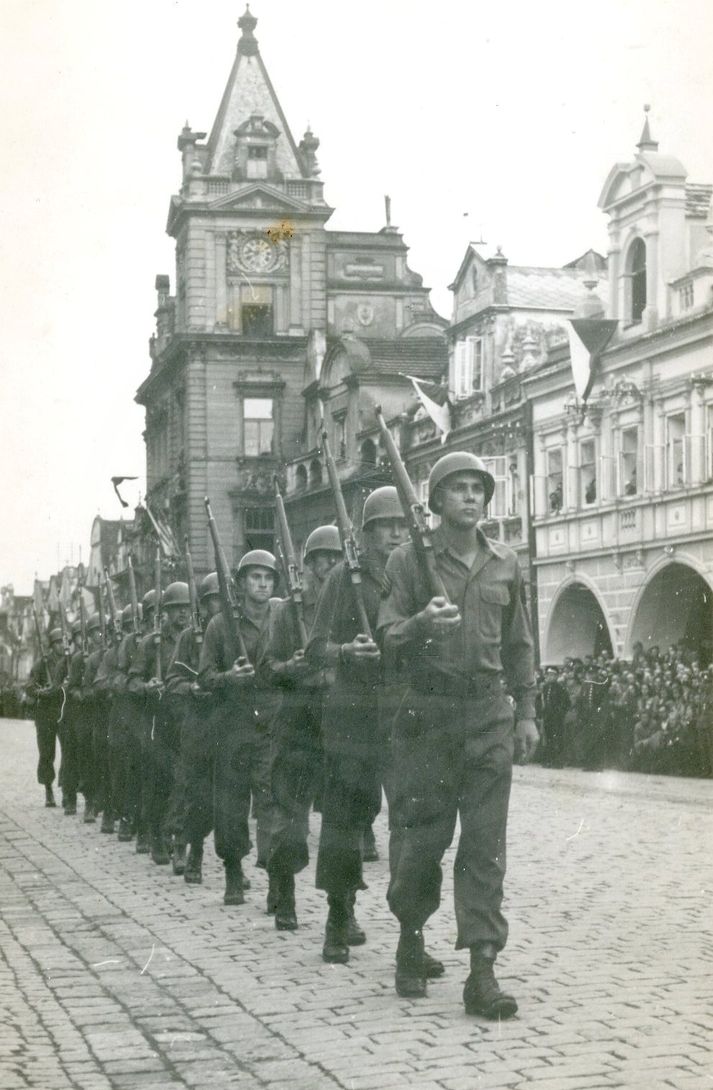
column 294, row 582
column 113, row 613
column 157, row 614
column 102, row 617
column 40, row 646
column 134, row 599
column 228, row 604
column 347, row 538
column 82, row 610
column 414, row 513
column 193, row 592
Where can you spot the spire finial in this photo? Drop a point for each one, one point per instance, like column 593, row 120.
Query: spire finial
column 247, row 44
column 646, row 143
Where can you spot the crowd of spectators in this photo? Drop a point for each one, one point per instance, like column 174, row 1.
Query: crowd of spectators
column 653, row 713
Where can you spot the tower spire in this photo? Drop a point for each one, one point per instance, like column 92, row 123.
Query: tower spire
column 646, row 143
column 247, row 44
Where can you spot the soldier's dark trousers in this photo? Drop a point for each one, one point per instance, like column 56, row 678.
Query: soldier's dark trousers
column 85, row 755
column 164, row 755
column 296, row 780
column 196, row 775
column 119, row 756
column 454, row 759
column 352, row 787
column 100, row 740
column 140, row 774
column 68, row 735
column 242, row 768
column 47, row 734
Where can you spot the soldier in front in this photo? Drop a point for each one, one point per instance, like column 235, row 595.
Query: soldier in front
column 455, row 732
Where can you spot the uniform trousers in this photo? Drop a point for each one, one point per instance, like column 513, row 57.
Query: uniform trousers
column 85, row 751
column 352, row 784
column 164, row 743
column 69, row 739
column 192, row 810
column 47, row 733
column 100, row 746
column 454, row 760
column 296, row 778
column 242, row 768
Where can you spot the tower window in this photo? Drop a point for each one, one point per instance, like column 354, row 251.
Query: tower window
column 256, row 311
column 257, row 161
column 636, row 269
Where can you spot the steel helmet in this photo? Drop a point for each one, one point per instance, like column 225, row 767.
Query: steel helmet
column 258, row 558
column 209, row 586
column 382, row 503
column 458, row 461
column 55, row 635
column 93, row 622
column 127, row 614
column 176, row 594
column 76, row 628
column 149, row 600
column 323, row 539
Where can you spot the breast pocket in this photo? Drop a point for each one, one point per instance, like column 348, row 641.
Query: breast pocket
column 492, row 601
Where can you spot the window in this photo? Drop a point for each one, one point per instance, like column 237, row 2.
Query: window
column 514, row 505
column 587, row 472
column 676, row 460
column 256, row 313
column 468, row 375
column 499, row 467
column 300, row 478
column 555, row 492
column 636, row 269
column 368, row 453
column 340, row 435
column 629, row 483
column 258, row 426
column 685, row 295
column 259, row 528
column 257, row 161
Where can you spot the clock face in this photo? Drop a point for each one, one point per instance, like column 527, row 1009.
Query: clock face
column 258, row 254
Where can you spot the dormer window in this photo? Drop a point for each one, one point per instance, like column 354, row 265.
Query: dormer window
column 257, row 161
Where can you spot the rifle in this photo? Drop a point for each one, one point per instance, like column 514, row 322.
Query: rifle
column 193, row 592
column 43, row 656
column 157, row 613
column 289, row 562
column 228, row 604
column 133, row 598
column 102, row 617
column 348, row 540
column 66, row 637
column 113, row 616
column 82, row 610
column 414, row 513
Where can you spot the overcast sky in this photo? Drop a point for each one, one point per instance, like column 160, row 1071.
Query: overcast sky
column 497, row 118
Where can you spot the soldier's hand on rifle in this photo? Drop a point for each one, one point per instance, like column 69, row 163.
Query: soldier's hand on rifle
column 297, row 664
column 361, row 649
column 439, row 618
column 241, row 672
column 153, row 685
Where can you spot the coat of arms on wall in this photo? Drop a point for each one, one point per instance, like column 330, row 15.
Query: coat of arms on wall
column 365, row 313
column 254, row 252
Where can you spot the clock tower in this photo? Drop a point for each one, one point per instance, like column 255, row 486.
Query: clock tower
column 229, row 358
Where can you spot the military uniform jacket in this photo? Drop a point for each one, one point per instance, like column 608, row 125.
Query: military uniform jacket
column 494, row 638
column 253, row 702
column 48, row 705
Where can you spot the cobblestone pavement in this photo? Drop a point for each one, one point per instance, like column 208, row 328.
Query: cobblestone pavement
column 114, row 974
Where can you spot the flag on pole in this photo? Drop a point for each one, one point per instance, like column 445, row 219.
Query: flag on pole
column 164, row 533
column 439, row 414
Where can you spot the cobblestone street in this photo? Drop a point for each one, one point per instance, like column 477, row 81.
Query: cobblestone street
column 115, row 974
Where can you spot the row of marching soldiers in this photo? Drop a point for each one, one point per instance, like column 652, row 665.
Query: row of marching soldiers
column 178, row 736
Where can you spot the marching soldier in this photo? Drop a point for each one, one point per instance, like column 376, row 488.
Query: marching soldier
column 124, row 758
column 243, row 717
column 297, row 760
column 103, row 725
column 351, row 729
column 140, row 725
column 87, row 719
column 70, row 724
column 144, row 680
column 46, row 687
column 453, row 737
column 192, row 803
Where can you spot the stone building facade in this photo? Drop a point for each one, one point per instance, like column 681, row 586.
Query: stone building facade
column 264, row 292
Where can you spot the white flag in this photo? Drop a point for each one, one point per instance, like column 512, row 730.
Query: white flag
column 439, row 414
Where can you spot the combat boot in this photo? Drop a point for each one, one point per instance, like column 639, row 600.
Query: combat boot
column 273, row 890
column 410, row 969
column 179, row 857
column 49, row 796
column 285, row 914
column 159, row 850
column 89, row 813
column 143, row 842
column 356, row 936
column 125, row 834
column 433, row 968
column 336, row 945
column 369, row 852
column 193, row 874
column 107, row 825
column 482, row 994
column 69, row 804
column 233, row 884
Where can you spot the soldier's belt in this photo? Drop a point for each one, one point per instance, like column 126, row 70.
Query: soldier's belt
column 477, row 685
